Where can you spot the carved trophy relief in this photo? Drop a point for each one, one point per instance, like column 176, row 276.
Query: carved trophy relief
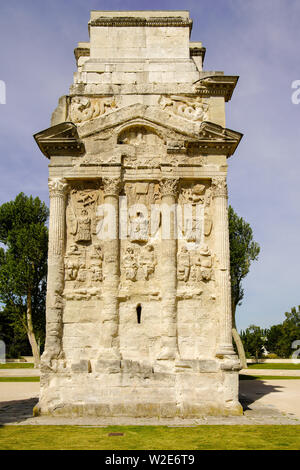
column 195, row 212
column 72, row 263
column 83, row 227
column 138, row 227
column 84, row 257
column 83, row 109
column 139, row 262
column 183, row 265
column 96, row 262
column 130, row 265
column 147, row 261
column 194, row 109
column 83, row 271
column 194, row 265
column 81, row 211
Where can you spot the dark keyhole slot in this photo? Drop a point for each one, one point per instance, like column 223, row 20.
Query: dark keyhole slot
column 139, row 313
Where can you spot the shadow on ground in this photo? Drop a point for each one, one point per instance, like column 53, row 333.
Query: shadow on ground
column 16, row 410
column 250, row 391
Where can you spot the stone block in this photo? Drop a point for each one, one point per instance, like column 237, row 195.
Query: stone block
column 82, row 366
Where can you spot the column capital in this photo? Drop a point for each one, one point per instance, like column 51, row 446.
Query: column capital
column 111, row 186
column 219, row 186
column 169, row 186
column 58, row 187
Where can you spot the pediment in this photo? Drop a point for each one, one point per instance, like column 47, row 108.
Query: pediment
column 174, row 131
column 60, row 140
column 135, row 125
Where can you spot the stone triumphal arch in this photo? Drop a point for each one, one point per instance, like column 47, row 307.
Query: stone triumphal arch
column 138, row 299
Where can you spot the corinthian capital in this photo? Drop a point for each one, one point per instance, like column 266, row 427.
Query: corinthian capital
column 111, row 186
column 57, row 187
column 169, row 186
column 219, row 186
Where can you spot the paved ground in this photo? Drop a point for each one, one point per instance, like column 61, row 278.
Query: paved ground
column 264, row 402
column 19, row 372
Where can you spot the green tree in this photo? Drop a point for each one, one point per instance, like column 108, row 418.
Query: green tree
column 280, row 337
column 23, row 267
column 243, row 250
column 274, row 340
column 254, row 340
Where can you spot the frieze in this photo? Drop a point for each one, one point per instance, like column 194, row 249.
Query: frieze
column 83, row 108
column 194, row 109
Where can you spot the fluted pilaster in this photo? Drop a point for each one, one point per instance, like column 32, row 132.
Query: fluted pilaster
column 169, row 193
column 55, row 283
column 219, row 188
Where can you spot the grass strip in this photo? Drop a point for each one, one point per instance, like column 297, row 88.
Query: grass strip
column 208, row 437
column 275, row 366
column 19, row 379
column 17, row 365
column 268, row 377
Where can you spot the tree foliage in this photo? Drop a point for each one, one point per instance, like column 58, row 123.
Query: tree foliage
column 281, row 337
column 23, row 265
column 243, row 250
column 254, row 340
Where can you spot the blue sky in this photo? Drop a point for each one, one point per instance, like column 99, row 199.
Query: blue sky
column 259, row 40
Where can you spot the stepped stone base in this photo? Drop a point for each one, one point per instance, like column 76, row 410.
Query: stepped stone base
column 184, row 389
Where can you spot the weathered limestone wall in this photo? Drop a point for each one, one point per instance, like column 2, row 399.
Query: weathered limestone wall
column 138, row 301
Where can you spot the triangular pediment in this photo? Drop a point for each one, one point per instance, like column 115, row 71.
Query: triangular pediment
column 206, row 136
column 60, row 140
column 175, row 132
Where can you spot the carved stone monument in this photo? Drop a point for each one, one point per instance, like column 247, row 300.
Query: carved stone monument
column 138, row 299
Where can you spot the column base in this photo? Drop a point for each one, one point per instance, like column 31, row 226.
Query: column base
column 225, row 350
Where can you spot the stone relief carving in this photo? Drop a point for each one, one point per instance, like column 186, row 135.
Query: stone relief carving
column 147, row 261
column 138, row 227
column 195, row 265
column 72, row 263
column 96, row 261
column 139, row 262
column 84, row 257
column 83, row 109
column 195, row 109
column 183, row 265
column 83, row 227
column 197, row 198
column 219, row 186
column 193, row 194
column 140, row 136
column 130, row 264
column 141, row 162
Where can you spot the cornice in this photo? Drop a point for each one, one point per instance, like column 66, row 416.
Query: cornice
column 60, row 140
column 130, row 21
column 81, row 52
column 216, row 85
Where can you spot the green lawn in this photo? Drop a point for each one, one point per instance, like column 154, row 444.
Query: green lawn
column 150, row 438
column 19, row 379
column 278, row 366
column 17, row 365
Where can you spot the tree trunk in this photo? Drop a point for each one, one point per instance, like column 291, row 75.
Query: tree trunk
column 238, row 341
column 30, row 333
